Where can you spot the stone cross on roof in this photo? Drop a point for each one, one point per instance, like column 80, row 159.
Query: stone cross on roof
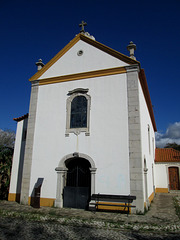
column 82, row 24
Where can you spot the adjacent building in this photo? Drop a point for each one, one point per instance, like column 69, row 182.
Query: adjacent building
column 167, row 169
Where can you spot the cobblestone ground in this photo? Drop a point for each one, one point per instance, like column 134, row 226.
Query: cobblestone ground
column 23, row 222
column 19, row 229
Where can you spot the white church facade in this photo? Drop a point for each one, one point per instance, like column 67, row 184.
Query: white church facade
column 90, row 129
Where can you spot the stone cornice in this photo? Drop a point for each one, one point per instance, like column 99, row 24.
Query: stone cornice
column 83, row 75
column 132, row 68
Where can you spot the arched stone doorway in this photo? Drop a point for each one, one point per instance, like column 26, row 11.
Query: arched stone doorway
column 75, row 180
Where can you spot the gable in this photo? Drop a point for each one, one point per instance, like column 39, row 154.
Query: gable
column 92, row 59
column 96, row 56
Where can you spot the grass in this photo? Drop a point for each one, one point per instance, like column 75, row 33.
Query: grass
column 177, row 206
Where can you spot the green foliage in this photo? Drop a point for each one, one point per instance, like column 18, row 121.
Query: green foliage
column 177, row 206
column 6, row 154
column 7, row 139
column 173, row 145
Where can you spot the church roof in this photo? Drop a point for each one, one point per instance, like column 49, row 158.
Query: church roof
column 21, row 118
column 167, row 155
column 90, row 41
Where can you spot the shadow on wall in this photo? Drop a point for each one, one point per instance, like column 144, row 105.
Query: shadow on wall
column 35, row 195
column 21, row 161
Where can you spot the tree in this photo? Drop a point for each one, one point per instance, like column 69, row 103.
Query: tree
column 7, row 139
column 173, row 145
column 5, row 170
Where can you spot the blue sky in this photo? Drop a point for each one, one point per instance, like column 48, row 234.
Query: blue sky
column 34, row 29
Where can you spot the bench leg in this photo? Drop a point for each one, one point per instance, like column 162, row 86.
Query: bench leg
column 128, row 209
column 92, row 206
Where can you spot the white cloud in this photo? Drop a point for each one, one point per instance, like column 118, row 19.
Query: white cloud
column 172, row 135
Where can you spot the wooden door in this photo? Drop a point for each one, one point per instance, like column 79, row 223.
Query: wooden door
column 78, row 184
column 174, row 178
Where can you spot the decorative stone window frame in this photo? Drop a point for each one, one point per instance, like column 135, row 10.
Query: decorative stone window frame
column 74, row 93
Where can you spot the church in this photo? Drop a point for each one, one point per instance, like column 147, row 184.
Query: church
column 90, row 129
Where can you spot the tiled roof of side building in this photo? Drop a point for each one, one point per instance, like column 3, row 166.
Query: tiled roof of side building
column 167, row 155
column 21, row 118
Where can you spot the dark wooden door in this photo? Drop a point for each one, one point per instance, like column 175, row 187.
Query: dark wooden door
column 76, row 197
column 78, row 184
column 174, row 178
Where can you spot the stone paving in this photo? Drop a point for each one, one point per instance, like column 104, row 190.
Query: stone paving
column 161, row 209
column 160, row 222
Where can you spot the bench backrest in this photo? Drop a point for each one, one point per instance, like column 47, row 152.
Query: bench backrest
column 113, row 198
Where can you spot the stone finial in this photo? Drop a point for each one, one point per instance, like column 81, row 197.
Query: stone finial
column 131, row 48
column 89, row 35
column 39, row 64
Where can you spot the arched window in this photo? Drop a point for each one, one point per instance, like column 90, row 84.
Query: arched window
column 78, row 112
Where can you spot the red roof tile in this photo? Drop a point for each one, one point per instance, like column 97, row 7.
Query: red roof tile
column 21, row 118
column 167, row 155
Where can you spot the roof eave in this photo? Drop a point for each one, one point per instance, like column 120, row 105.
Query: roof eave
column 21, row 118
column 145, row 89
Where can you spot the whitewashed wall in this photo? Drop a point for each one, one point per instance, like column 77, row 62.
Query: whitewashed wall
column 19, row 147
column 107, row 144
column 161, row 175
column 147, row 153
